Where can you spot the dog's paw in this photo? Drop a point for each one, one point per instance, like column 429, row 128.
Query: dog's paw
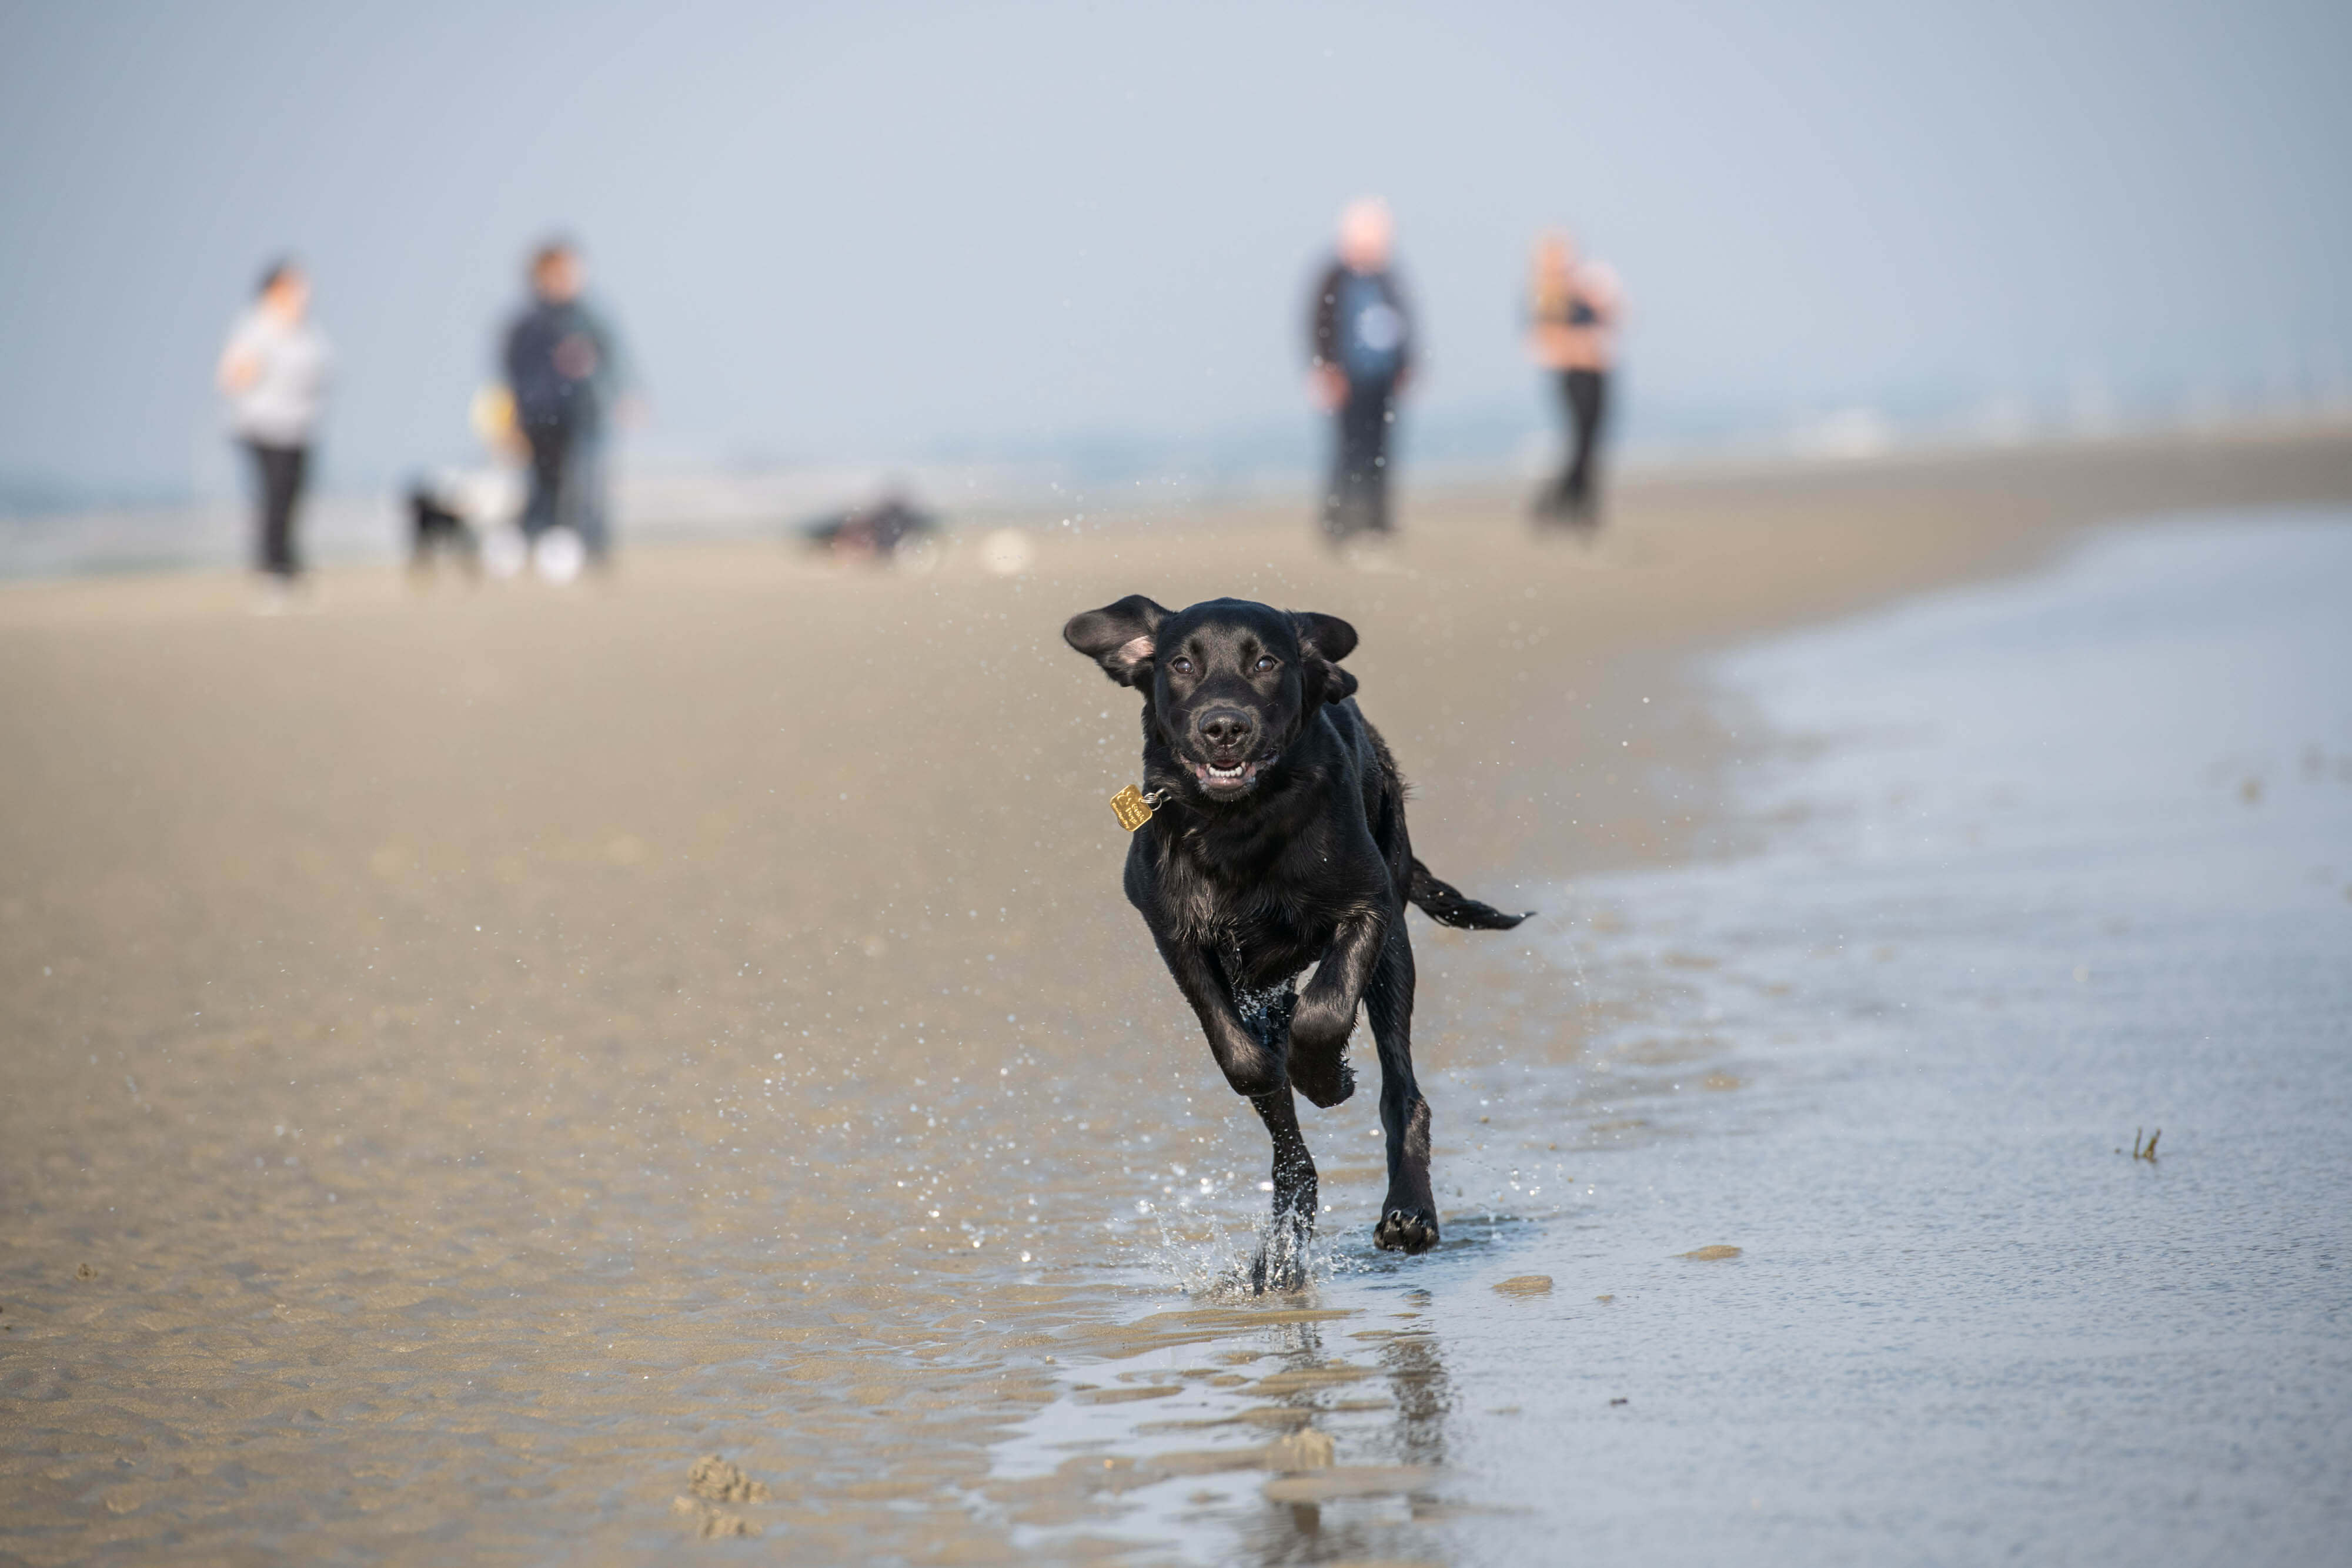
column 1325, row 1083
column 1277, row 1273
column 1411, row 1231
column 1283, row 1261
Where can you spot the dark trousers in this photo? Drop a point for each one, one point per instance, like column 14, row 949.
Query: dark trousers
column 1584, row 396
column 551, row 453
column 280, row 471
column 1357, row 501
column 567, row 485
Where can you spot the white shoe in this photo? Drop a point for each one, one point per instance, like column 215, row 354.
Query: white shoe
column 558, row 555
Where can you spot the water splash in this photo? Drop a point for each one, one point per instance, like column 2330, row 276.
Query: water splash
column 1272, row 1256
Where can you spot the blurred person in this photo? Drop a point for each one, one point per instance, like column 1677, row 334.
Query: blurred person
column 1360, row 342
column 1572, row 312
column 273, row 373
column 564, row 373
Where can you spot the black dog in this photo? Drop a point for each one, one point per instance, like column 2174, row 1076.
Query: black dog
column 1280, row 842
column 438, row 526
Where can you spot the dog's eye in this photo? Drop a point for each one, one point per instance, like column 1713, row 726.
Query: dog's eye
column 1181, row 664
column 1267, row 662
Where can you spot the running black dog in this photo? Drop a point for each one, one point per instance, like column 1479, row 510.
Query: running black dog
column 1280, row 842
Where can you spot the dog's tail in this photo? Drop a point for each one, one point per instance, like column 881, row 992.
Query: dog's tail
column 1449, row 905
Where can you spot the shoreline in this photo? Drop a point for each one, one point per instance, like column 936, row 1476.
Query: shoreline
column 365, row 528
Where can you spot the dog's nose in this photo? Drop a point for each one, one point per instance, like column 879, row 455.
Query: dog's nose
column 1227, row 729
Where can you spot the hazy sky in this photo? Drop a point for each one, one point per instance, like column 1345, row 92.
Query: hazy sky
column 852, row 232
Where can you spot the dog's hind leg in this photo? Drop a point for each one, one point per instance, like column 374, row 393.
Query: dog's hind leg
column 1408, row 1221
column 1281, row 1261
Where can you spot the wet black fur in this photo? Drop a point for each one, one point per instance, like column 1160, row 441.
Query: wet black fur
column 1308, row 862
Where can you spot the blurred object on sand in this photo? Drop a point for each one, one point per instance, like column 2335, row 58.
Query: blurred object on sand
column 891, row 532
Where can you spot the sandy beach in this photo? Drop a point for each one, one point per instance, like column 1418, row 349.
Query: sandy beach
column 473, row 1053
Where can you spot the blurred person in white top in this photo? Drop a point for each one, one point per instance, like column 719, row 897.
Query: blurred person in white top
column 274, row 374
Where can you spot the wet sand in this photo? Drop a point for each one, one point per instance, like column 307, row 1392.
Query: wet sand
column 472, row 1056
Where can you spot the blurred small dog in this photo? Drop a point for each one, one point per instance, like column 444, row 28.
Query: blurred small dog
column 438, row 527
column 1275, row 839
column 891, row 531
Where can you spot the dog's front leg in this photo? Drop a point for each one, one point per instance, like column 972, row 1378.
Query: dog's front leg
column 1326, row 1010
column 1249, row 1066
column 1283, row 1251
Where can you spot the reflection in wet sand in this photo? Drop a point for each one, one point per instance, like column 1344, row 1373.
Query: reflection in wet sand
column 1308, row 1434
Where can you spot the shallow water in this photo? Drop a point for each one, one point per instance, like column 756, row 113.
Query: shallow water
column 2047, row 866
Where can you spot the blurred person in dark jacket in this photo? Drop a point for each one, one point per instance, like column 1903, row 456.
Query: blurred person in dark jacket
column 273, row 371
column 1573, row 309
column 564, row 368
column 1361, row 343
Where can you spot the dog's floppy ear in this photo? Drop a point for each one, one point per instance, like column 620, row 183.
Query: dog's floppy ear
column 1325, row 640
column 1118, row 637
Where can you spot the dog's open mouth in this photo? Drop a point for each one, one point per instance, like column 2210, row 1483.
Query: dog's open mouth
column 1217, row 777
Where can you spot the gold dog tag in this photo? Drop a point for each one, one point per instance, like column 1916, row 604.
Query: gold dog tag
column 1130, row 808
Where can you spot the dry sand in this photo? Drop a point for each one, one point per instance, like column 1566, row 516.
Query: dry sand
column 470, row 1056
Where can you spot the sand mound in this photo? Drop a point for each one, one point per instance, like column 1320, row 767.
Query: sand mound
column 717, row 1480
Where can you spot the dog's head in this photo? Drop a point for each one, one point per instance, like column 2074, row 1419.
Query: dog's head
column 1228, row 683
